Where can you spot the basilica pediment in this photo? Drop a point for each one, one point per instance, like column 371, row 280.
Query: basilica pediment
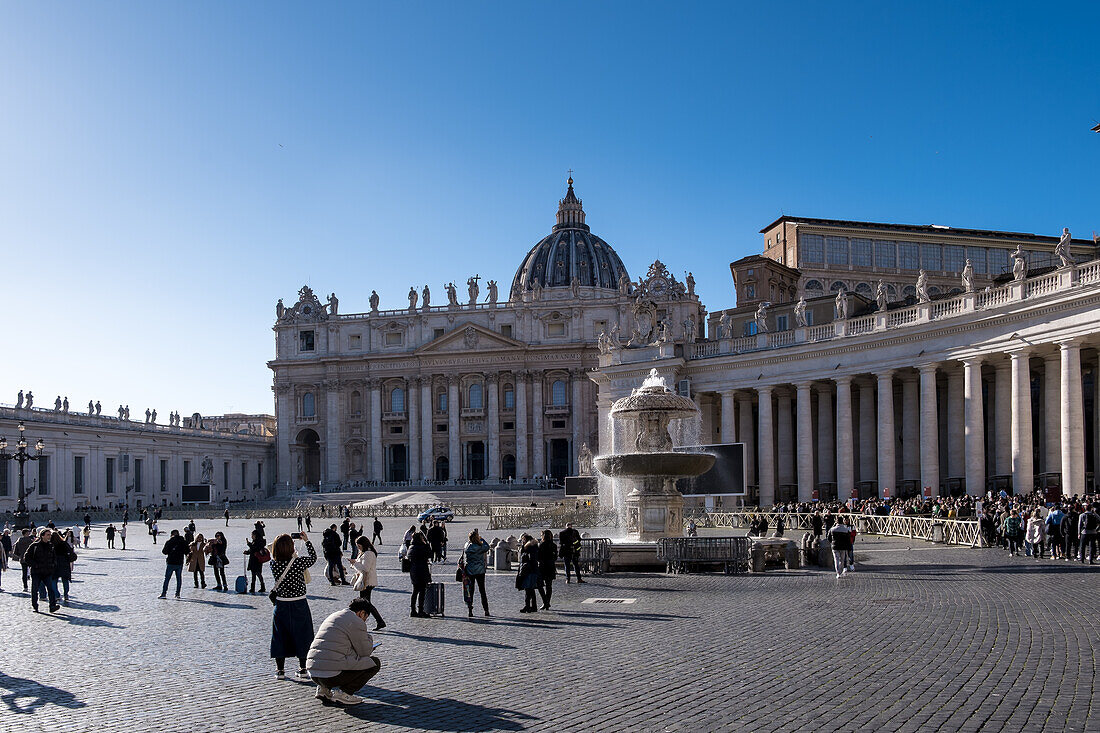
column 469, row 337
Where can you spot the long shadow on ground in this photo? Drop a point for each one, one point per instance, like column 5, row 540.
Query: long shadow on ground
column 405, row 709
column 25, row 696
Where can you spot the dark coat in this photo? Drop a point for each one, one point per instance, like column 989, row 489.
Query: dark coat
column 175, row 550
column 548, row 556
column 436, row 536
column 331, row 547
column 419, row 572
column 65, row 556
column 570, row 542
column 41, row 558
column 528, row 574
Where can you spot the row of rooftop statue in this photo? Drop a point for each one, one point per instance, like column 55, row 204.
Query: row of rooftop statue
column 96, row 409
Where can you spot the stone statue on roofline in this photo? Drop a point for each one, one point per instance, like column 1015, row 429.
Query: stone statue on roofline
column 922, row 287
column 968, row 277
column 761, row 317
column 800, row 313
column 1019, row 264
column 1061, row 250
column 881, row 297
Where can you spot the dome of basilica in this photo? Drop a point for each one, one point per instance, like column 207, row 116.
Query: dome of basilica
column 570, row 251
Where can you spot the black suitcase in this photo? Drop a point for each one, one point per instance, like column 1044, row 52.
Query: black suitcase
column 435, row 599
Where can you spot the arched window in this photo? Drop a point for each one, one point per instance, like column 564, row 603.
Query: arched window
column 475, row 396
column 397, row 400
column 908, row 291
column 557, row 393
column 934, row 290
column 815, row 285
column 356, row 403
column 864, row 289
column 309, row 405
column 441, row 401
column 509, row 397
column 837, row 286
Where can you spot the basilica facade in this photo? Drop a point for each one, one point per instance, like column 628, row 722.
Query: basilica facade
column 483, row 387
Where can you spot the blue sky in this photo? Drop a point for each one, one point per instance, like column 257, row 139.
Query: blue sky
column 169, row 170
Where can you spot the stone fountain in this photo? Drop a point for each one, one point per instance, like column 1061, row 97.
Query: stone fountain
column 653, row 506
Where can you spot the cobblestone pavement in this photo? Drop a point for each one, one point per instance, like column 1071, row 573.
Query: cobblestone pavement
column 921, row 638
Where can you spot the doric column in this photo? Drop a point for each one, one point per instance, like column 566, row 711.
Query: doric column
column 1073, row 420
column 1052, row 414
column 929, row 431
column 910, row 427
column 805, row 443
column 578, row 411
column 726, row 425
column 492, row 430
column 414, row 428
column 1023, row 470
column 845, row 445
column 785, row 459
column 766, row 448
column 376, row 473
column 427, row 457
column 454, row 440
column 522, row 469
column 956, row 419
column 868, row 440
column 975, row 426
column 746, row 435
column 887, row 468
column 538, row 447
column 1002, row 408
column 826, row 434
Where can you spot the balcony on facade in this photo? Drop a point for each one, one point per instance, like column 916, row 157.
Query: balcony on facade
column 395, row 416
column 557, row 410
column 473, row 412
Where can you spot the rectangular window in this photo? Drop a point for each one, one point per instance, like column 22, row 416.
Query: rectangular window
column 837, row 250
column 164, row 475
column 781, row 323
column 509, row 425
column 394, row 338
column 509, row 398
column 139, row 467
column 809, row 317
column 110, row 475
column 5, row 487
column 954, row 257
column 187, row 472
column 355, row 341
column 225, row 475
column 244, row 476
column 998, row 261
column 305, row 341
column 441, row 402
column 555, row 329
column 931, row 256
column 908, row 256
column 886, row 253
column 397, row 430
column 78, row 474
column 557, row 424
column 976, row 255
column 44, row 475
column 506, row 330
column 441, row 428
column 813, row 248
column 861, row 252
column 750, row 328
column 438, row 332
column 750, row 291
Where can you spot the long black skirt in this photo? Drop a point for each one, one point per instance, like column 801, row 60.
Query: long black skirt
column 291, row 629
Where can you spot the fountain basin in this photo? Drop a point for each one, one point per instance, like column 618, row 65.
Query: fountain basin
column 666, row 465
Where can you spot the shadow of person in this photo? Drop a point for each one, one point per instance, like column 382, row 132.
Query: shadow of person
column 405, row 709
column 27, row 696
column 448, row 640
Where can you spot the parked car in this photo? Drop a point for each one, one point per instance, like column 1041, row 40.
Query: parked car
column 440, row 513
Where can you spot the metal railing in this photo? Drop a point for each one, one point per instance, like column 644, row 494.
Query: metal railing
column 947, row 531
column 549, row 517
column 595, row 555
column 684, row 554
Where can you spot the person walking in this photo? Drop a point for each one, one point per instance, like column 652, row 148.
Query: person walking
column 1070, row 535
column 436, row 537
column 474, row 558
column 330, row 548
column 570, row 549
column 299, row 522
column 353, row 534
column 257, row 556
column 548, row 569
column 227, row 516
column 365, row 562
column 217, row 558
column 18, row 551
column 1035, row 537
column 1054, row 532
column 376, row 539
column 122, row 535
column 527, row 577
column 291, row 622
column 420, row 574
column 110, row 532
column 840, row 534
column 154, row 529
column 174, row 551
column 196, row 560
column 345, row 527
column 1088, row 527
column 1013, row 530
column 309, row 523
column 63, row 568
column 87, row 532
column 3, row 559
column 341, row 656
column 41, row 558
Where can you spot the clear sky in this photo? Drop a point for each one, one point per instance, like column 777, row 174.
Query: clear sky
column 169, row 170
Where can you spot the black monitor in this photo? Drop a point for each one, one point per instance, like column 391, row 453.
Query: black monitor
column 725, row 478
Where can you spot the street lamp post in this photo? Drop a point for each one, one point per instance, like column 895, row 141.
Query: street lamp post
column 22, row 516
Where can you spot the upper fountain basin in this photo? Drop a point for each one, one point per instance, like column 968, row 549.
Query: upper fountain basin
column 655, row 399
column 654, row 464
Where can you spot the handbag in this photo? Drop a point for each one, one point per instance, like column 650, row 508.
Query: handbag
column 263, row 556
column 279, row 582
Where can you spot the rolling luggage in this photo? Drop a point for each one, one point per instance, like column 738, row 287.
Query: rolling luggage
column 434, row 599
column 242, row 580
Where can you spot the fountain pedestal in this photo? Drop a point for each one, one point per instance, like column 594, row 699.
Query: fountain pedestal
column 652, row 516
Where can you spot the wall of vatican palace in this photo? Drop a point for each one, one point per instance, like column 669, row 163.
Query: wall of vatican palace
column 987, row 389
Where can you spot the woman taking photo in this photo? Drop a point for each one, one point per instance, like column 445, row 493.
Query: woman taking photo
column 365, row 562
column 256, row 553
column 474, row 557
column 196, row 560
column 527, row 579
column 291, row 623
column 216, row 549
column 419, row 573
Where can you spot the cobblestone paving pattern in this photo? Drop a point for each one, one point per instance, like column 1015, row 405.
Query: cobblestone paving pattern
column 921, row 638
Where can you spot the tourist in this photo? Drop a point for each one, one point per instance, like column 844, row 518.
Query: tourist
column 692, row 529
column 110, row 532
column 1088, row 527
column 217, row 558
column 299, row 521
column 87, row 534
column 353, row 534
column 437, row 536
column 309, row 523
column 345, row 528
column 257, row 556
column 3, row 558
column 1013, row 532
column 1035, row 536
column 377, row 538
column 365, row 562
column 63, row 567
column 1071, row 531
column 174, row 551
column 260, row 530
column 196, row 560
column 330, row 548
column 154, row 529
column 122, row 534
column 1054, row 532
column 548, row 558
column 816, row 524
column 420, row 575
column 41, row 558
column 409, row 536
column 841, row 537
column 341, row 657
column 18, row 552
column 291, row 624
column 475, row 555
column 779, row 525
column 569, row 548
column 226, row 514
column 527, row 577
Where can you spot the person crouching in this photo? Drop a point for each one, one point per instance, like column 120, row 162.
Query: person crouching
column 341, row 658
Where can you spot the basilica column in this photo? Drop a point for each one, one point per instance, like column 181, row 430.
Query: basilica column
column 910, row 427
column 975, row 427
column 537, row 442
column 333, row 419
column 727, row 422
column 492, row 430
column 785, row 460
column 376, row 473
column 427, row 459
column 454, row 441
column 284, row 413
column 578, row 412
column 1073, row 420
column 414, row 429
column 1002, row 428
column 805, row 443
column 929, row 431
column 522, row 470
column 868, row 441
column 745, row 435
column 1023, row 470
column 826, row 435
column 766, row 448
column 887, row 467
column 956, row 454
column 845, row 450
column 1052, row 413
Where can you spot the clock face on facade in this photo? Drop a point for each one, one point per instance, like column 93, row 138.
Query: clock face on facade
column 658, row 286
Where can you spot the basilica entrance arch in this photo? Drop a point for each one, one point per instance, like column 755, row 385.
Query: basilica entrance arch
column 307, row 463
column 475, row 460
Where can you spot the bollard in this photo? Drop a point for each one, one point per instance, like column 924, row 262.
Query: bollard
column 501, row 560
column 756, row 559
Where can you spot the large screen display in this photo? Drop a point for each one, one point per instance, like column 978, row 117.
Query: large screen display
column 725, row 478
column 196, row 494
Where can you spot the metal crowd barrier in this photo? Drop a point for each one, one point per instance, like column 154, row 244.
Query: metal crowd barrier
column 595, row 555
column 685, row 554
